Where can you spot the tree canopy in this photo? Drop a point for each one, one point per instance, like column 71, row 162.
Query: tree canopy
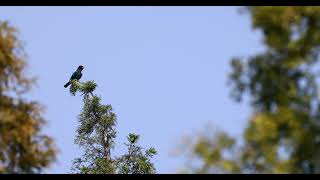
column 23, row 147
column 282, row 135
column 96, row 133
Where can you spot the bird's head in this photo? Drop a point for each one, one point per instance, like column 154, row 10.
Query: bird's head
column 80, row 67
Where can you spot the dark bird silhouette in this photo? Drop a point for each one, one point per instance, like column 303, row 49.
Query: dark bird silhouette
column 75, row 76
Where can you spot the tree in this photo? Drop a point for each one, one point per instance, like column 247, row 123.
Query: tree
column 96, row 133
column 283, row 134
column 23, row 148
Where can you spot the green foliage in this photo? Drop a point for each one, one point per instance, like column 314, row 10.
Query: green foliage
column 283, row 134
column 136, row 161
column 96, row 133
column 23, row 149
column 215, row 153
column 86, row 88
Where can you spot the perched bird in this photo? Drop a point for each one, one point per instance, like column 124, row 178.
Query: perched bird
column 75, row 76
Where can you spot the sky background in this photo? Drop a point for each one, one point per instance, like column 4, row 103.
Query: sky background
column 163, row 69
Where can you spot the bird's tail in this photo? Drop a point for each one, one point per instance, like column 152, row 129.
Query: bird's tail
column 66, row 85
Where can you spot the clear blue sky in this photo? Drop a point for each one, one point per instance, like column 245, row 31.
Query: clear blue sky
column 163, row 69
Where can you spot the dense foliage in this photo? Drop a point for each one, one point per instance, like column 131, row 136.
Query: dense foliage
column 23, row 148
column 282, row 135
column 96, row 133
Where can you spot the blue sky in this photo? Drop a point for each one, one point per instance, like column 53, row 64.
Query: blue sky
column 163, row 69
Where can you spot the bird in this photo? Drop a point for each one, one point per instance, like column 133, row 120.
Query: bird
column 75, row 76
